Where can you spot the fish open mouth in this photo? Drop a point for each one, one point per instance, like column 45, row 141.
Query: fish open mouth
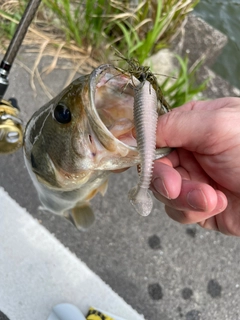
column 114, row 99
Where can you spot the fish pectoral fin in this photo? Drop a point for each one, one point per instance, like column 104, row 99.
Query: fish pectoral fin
column 162, row 152
column 103, row 188
column 82, row 216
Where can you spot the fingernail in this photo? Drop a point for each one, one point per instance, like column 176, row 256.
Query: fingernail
column 197, row 200
column 221, row 202
column 160, row 187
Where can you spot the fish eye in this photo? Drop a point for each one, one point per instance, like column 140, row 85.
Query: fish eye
column 62, row 114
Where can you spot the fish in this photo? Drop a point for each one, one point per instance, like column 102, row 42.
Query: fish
column 75, row 141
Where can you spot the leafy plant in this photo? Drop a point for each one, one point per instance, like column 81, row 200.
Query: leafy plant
column 67, row 20
column 156, row 22
column 9, row 20
column 77, row 29
column 142, row 28
column 184, row 88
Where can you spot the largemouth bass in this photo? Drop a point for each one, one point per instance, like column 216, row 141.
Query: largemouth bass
column 75, row 141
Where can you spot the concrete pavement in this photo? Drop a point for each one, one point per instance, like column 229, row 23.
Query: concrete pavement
column 164, row 270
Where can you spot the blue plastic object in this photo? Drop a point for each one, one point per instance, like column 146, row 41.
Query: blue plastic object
column 66, row 311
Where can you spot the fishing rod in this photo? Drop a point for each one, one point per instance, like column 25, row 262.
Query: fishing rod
column 11, row 132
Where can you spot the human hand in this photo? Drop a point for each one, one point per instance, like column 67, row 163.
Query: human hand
column 199, row 182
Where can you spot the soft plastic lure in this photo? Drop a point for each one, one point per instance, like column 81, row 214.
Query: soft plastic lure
column 145, row 117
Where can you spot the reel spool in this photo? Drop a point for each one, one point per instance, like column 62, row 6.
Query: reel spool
column 11, row 131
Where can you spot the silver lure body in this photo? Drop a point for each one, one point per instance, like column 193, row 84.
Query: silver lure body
column 145, row 117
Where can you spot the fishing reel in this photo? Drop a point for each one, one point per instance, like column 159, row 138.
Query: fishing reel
column 11, row 131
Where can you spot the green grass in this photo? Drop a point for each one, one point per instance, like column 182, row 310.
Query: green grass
column 155, row 24
column 136, row 31
column 185, row 87
column 67, row 20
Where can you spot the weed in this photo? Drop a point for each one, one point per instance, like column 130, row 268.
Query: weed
column 83, row 30
column 155, row 24
column 143, row 73
column 184, row 88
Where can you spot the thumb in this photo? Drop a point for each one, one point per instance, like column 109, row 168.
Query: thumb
column 197, row 125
